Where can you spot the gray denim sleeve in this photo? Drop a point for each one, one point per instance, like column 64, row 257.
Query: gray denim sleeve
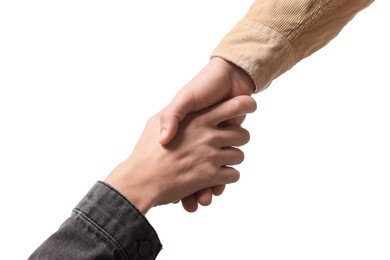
column 104, row 225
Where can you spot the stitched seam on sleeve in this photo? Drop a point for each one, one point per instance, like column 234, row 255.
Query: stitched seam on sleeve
column 107, row 234
column 130, row 204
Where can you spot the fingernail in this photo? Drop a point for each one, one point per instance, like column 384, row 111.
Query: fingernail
column 163, row 133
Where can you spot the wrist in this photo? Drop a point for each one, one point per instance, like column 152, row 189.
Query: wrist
column 135, row 193
column 237, row 75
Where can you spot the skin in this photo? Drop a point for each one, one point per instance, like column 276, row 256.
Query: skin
column 200, row 156
column 218, row 81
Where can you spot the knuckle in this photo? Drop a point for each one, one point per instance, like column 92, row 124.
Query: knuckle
column 235, row 105
column 211, row 156
column 210, row 138
column 211, row 170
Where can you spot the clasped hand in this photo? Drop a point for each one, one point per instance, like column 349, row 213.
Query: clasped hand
column 201, row 155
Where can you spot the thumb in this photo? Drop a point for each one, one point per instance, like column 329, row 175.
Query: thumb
column 168, row 127
column 171, row 115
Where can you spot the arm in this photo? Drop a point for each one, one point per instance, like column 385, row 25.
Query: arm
column 104, row 225
column 275, row 35
column 270, row 39
column 109, row 222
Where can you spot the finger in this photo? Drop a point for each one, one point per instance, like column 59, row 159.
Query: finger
column 232, row 136
column 227, row 175
column 190, row 203
column 205, row 196
column 168, row 127
column 231, row 156
column 234, row 121
column 218, row 190
column 170, row 116
column 232, row 108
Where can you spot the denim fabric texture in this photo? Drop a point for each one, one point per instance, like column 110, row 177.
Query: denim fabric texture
column 104, row 225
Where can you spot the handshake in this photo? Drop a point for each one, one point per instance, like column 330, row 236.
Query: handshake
column 187, row 151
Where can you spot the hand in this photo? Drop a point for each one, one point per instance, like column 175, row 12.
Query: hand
column 219, row 80
column 204, row 197
column 200, row 156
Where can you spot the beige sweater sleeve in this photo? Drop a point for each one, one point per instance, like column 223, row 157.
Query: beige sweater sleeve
column 276, row 34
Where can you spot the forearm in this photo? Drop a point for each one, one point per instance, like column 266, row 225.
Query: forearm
column 103, row 225
column 275, row 35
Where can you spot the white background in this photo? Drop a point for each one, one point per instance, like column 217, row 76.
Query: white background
column 79, row 79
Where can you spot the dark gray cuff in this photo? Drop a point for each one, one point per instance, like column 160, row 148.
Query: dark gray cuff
column 120, row 220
